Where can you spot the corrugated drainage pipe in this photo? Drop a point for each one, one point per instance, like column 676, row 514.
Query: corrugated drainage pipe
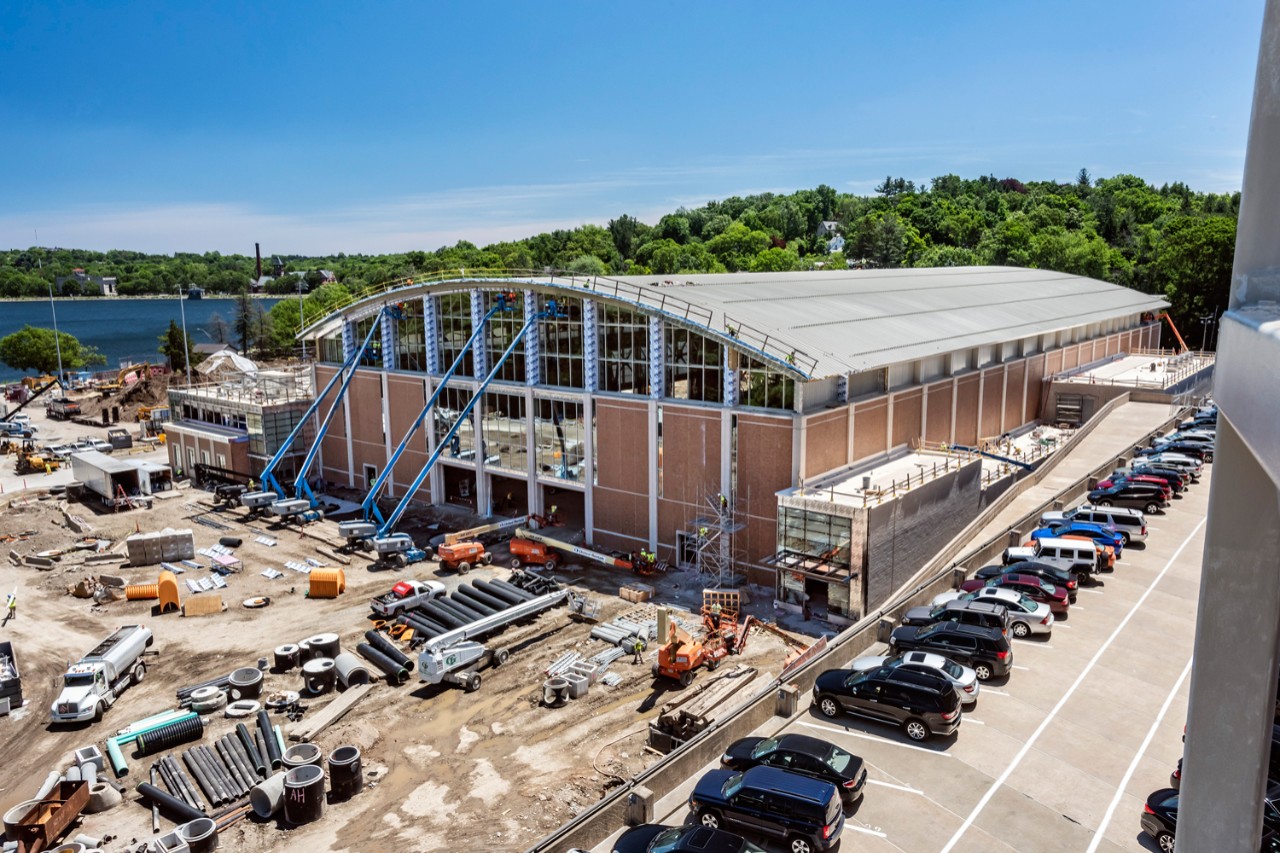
column 170, row 736
column 350, row 670
column 395, row 673
column 267, row 796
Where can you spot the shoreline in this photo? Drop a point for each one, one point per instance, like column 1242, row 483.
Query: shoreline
column 207, row 296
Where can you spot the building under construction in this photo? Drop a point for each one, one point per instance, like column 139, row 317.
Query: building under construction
column 671, row 415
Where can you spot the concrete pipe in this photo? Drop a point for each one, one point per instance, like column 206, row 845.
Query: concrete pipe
column 555, row 692
column 304, row 801
column 246, row 683
column 17, row 813
column 201, row 835
column 72, row 774
column 68, row 847
column 287, row 657
column 50, row 782
column 102, row 797
column 346, row 778
column 350, row 670
column 242, row 708
column 325, row 645
column 318, row 675
column 301, row 754
column 90, row 842
column 305, row 652
column 267, row 796
column 88, row 772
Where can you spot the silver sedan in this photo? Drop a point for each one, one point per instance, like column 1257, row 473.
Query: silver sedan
column 1026, row 616
column 964, row 678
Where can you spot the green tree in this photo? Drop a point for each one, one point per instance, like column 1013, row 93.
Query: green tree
column 217, row 328
column 32, row 348
column 245, row 320
column 587, row 265
column 1193, row 266
column 737, row 246
column 177, row 348
column 775, row 260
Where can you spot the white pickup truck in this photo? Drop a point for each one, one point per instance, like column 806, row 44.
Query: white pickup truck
column 407, row 595
column 93, row 684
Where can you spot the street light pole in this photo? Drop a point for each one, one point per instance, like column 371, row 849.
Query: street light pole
column 57, row 342
column 186, row 346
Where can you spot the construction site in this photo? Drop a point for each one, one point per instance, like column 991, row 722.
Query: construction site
column 478, row 613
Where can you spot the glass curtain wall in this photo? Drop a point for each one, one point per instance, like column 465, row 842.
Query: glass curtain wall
column 451, row 402
column 559, row 438
column 372, row 356
column 624, row 350
column 331, row 349
column 765, row 386
column 816, row 536
column 562, row 347
column 455, row 329
column 411, row 341
column 502, row 330
column 694, row 366
column 505, row 431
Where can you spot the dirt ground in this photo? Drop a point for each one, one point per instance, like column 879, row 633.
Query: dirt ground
column 493, row 767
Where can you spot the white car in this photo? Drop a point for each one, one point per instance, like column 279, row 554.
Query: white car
column 964, row 678
column 1176, row 461
column 83, row 444
column 1026, row 616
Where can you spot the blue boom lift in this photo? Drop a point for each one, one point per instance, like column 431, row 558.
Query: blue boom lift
column 399, row 549
column 360, row 532
column 269, row 497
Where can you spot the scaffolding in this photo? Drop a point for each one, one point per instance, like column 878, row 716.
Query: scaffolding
column 716, row 541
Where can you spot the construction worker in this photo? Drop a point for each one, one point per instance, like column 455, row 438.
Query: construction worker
column 724, row 502
column 637, row 650
column 252, row 484
column 12, row 604
column 702, row 531
column 791, row 358
column 715, row 616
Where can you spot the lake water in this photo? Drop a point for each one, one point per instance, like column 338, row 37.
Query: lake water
column 124, row 330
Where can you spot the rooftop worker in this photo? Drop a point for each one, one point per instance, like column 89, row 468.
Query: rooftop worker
column 791, row 358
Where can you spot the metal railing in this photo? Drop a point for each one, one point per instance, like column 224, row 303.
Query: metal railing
column 1183, row 364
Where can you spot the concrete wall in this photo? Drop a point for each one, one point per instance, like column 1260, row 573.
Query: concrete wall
column 903, row 534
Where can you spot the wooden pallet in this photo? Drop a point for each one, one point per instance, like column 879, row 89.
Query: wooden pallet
column 203, row 604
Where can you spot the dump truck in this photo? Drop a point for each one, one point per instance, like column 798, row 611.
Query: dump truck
column 10, row 677
column 60, row 409
column 92, row 684
column 406, row 595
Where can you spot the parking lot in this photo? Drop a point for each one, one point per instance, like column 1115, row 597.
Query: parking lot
column 1062, row 754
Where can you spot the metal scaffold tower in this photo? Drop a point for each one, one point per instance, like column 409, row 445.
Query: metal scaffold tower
column 717, row 544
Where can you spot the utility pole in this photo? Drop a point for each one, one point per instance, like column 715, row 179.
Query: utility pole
column 302, row 319
column 186, row 346
column 1205, row 322
column 57, row 341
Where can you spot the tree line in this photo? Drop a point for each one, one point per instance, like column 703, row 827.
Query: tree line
column 1168, row 240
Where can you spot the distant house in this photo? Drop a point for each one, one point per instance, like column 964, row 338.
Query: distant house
column 835, row 244
column 828, row 227
column 106, row 284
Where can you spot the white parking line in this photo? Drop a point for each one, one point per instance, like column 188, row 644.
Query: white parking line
column 906, row 788
column 974, row 722
column 1044, row 724
column 1091, row 592
column 1128, row 774
column 1023, row 668
column 987, row 690
column 867, row 830
column 1033, row 643
column 1061, row 625
column 874, row 738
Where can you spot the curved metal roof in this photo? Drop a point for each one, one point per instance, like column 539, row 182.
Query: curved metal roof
column 832, row 322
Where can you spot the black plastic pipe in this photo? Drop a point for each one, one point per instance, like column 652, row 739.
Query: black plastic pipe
column 168, row 736
column 269, row 738
column 205, row 783
column 214, row 764
column 524, row 594
column 427, row 620
column 261, row 743
column 497, row 592
column 395, row 673
column 471, row 591
column 225, row 794
column 193, row 796
column 251, row 750
column 445, row 617
column 242, row 755
column 466, row 614
column 161, row 772
column 238, row 787
column 174, row 806
column 389, row 649
column 238, row 774
column 222, row 682
column 458, row 597
column 421, row 625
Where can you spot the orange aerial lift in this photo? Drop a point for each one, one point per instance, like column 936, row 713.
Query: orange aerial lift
column 681, row 655
column 529, row 548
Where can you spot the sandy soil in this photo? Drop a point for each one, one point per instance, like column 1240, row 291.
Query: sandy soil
column 493, row 767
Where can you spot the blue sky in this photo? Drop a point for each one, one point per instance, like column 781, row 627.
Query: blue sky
column 319, row 127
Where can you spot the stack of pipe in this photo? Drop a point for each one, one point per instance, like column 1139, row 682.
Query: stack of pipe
column 128, row 735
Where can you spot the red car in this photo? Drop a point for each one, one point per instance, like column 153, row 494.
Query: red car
column 1029, row 585
column 1165, row 488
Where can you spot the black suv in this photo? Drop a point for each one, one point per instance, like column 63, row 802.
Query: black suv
column 986, row 650
column 963, row 611
column 806, row 812
column 923, row 703
column 809, row 756
column 1068, row 580
column 1145, row 496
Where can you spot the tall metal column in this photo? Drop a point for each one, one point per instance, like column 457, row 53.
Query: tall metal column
column 431, row 334
column 1237, row 648
column 590, row 347
column 657, row 359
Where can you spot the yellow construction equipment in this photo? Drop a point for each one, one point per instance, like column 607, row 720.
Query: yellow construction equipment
column 142, row 369
column 681, row 654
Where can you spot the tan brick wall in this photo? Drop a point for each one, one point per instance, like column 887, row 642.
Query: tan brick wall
column 826, row 442
column 967, row 409
column 993, row 385
column 1013, row 395
column 908, row 409
column 870, row 428
column 938, row 421
column 764, row 468
column 622, row 447
column 1036, row 374
column 690, row 454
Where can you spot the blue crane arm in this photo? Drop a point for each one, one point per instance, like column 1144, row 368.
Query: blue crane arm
column 394, row 518
column 369, row 507
column 268, row 478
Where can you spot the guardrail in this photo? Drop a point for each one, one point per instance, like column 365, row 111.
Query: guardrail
column 598, row 821
column 1183, row 364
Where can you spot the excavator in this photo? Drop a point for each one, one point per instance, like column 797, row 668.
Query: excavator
column 142, row 369
column 681, row 655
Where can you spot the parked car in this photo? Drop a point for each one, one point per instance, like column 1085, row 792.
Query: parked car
column 1026, row 615
column 87, row 443
column 964, row 679
column 1160, row 818
column 1200, row 422
column 691, row 838
column 809, row 756
column 1059, row 577
column 1034, row 587
column 1197, row 452
column 1106, row 554
column 1173, row 481
column 807, row 812
column 1193, row 468
column 922, row 703
column 964, row 612
column 1205, row 437
column 1079, row 558
column 62, row 451
column 1273, row 761
column 987, row 650
column 1177, row 480
column 1129, row 523
column 1103, row 534
column 16, row 429
column 1143, row 495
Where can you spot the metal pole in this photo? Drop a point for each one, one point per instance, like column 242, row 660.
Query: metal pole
column 57, row 343
column 301, row 319
column 186, row 346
